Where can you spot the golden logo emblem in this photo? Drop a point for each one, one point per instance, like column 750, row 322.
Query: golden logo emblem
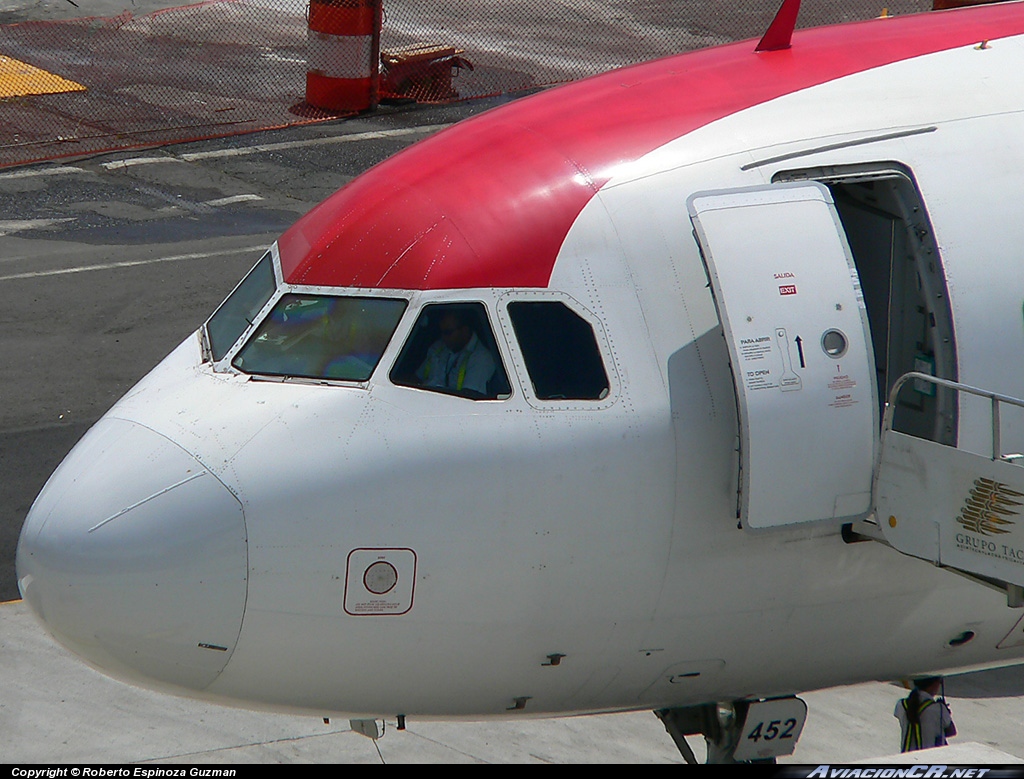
column 988, row 506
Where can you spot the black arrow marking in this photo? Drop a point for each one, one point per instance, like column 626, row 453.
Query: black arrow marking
column 800, row 348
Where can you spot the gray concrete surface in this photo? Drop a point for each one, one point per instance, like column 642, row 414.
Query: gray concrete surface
column 12, row 11
column 53, row 709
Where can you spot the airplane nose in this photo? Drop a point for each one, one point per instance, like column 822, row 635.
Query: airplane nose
column 134, row 557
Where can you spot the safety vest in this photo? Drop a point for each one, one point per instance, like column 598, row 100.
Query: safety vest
column 462, row 359
column 912, row 739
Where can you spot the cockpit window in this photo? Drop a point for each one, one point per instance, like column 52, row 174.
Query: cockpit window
column 239, row 310
column 560, row 351
column 452, row 350
column 321, row 337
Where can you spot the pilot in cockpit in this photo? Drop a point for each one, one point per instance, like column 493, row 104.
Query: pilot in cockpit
column 458, row 360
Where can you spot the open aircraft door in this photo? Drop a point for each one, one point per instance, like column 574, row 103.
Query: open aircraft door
column 790, row 302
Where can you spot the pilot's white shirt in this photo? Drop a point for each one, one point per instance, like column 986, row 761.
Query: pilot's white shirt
column 442, row 366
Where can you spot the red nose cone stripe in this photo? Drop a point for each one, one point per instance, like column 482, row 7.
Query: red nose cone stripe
column 489, row 202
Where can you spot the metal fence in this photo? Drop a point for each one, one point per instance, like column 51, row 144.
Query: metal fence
column 229, row 66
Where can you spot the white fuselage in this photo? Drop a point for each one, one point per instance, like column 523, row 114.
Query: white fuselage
column 606, row 532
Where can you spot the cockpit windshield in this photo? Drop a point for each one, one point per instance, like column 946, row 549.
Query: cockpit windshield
column 321, row 337
column 240, row 309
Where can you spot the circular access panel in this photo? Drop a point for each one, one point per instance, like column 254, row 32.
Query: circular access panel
column 380, row 578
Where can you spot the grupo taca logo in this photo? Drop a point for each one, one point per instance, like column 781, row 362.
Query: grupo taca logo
column 988, row 507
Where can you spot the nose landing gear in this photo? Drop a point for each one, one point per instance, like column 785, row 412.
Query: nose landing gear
column 739, row 731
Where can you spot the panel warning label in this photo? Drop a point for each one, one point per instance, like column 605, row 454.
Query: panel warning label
column 755, row 348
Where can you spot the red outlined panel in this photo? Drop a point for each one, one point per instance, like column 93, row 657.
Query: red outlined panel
column 379, row 582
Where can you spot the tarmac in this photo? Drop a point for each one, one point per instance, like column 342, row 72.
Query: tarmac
column 55, row 710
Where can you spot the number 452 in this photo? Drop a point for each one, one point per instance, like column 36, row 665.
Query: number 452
column 772, row 731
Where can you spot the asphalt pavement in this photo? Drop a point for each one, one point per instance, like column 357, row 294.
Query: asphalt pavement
column 13, row 11
column 109, row 262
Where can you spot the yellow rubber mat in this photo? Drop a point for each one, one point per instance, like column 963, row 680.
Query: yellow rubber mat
column 18, row 79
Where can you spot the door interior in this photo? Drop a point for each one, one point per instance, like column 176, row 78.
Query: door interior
column 900, row 269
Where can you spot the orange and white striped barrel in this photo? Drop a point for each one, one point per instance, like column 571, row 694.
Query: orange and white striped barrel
column 343, row 54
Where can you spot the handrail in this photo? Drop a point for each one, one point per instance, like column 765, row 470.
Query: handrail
column 994, row 397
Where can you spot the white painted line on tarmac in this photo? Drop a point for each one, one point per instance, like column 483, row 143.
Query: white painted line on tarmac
column 133, row 161
column 354, row 137
column 229, row 201
column 274, row 57
column 133, row 263
column 18, row 225
column 60, row 170
column 398, row 132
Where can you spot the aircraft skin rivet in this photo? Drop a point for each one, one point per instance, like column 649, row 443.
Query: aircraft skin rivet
column 892, row 521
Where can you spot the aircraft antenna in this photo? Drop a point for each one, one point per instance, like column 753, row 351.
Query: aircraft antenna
column 780, row 32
